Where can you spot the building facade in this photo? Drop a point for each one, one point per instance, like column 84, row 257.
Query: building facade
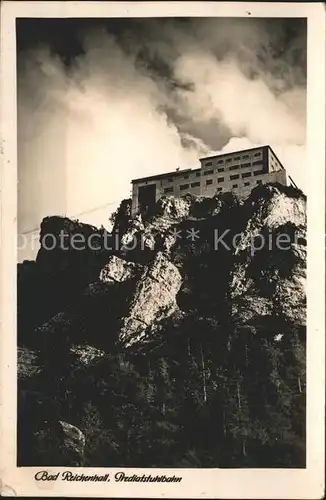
column 239, row 172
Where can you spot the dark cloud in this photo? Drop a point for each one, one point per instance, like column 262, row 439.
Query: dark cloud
column 104, row 101
column 273, row 43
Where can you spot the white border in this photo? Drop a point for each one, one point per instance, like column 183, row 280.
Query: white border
column 196, row 483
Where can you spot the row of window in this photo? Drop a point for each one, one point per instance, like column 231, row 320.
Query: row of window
column 219, row 180
column 219, row 170
column 208, row 183
column 171, row 179
column 193, row 184
column 243, row 176
column 234, row 158
column 182, row 187
column 246, row 174
column 235, row 167
column 237, row 185
column 234, row 186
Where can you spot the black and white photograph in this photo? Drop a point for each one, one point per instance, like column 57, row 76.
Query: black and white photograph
column 161, row 286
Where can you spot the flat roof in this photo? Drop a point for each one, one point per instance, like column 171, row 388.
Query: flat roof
column 173, row 173
column 266, row 146
column 234, row 152
column 176, row 173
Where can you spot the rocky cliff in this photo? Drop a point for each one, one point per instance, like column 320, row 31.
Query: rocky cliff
column 176, row 340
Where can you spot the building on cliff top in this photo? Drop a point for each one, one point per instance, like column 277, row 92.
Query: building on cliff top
column 239, row 172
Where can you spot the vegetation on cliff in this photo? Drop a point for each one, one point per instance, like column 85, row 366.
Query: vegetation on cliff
column 177, row 351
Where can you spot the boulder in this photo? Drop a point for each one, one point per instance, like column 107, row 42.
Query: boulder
column 118, row 270
column 73, row 442
column 87, row 354
column 169, row 206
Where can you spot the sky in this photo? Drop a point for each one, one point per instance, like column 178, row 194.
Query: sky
column 103, row 101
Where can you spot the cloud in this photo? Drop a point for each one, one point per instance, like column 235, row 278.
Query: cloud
column 156, row 97
column 252, row 113
column 245, row 77
column 84, row 135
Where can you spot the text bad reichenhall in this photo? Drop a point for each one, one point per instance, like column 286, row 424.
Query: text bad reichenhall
column 44, row 475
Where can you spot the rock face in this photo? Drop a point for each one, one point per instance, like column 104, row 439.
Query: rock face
column 258, row 274
column 269, row 269
column 154, row 298
column 126, row 344
column 66, row 244
column 172, row 207
column 118, row 270
column 61, row 272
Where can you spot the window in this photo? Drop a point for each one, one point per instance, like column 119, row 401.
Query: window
column 247, row 183
column 197, row 174
column 219, row 190
column 168, row 190
column 220, row 169
column 257, row 162
column 236, row 158
column 228, row 160
column 258, row 172
column 220, row 179
column 234, row 167
column 246, row 174
column 245, row 165
column 259, row 182
column 245, row 157
column 209, row 181
column 220, row 162
column 257, row 154
column 234, row 186
column 208, row 164
column 195, row 184
column 234, row 177
column 170, row 179
column 184, row 186
column 208, row 172
column 186, row 176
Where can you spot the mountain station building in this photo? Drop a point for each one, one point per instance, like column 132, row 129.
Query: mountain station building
column 239, row 172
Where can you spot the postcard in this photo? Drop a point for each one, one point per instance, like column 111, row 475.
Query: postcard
column 162, row 249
